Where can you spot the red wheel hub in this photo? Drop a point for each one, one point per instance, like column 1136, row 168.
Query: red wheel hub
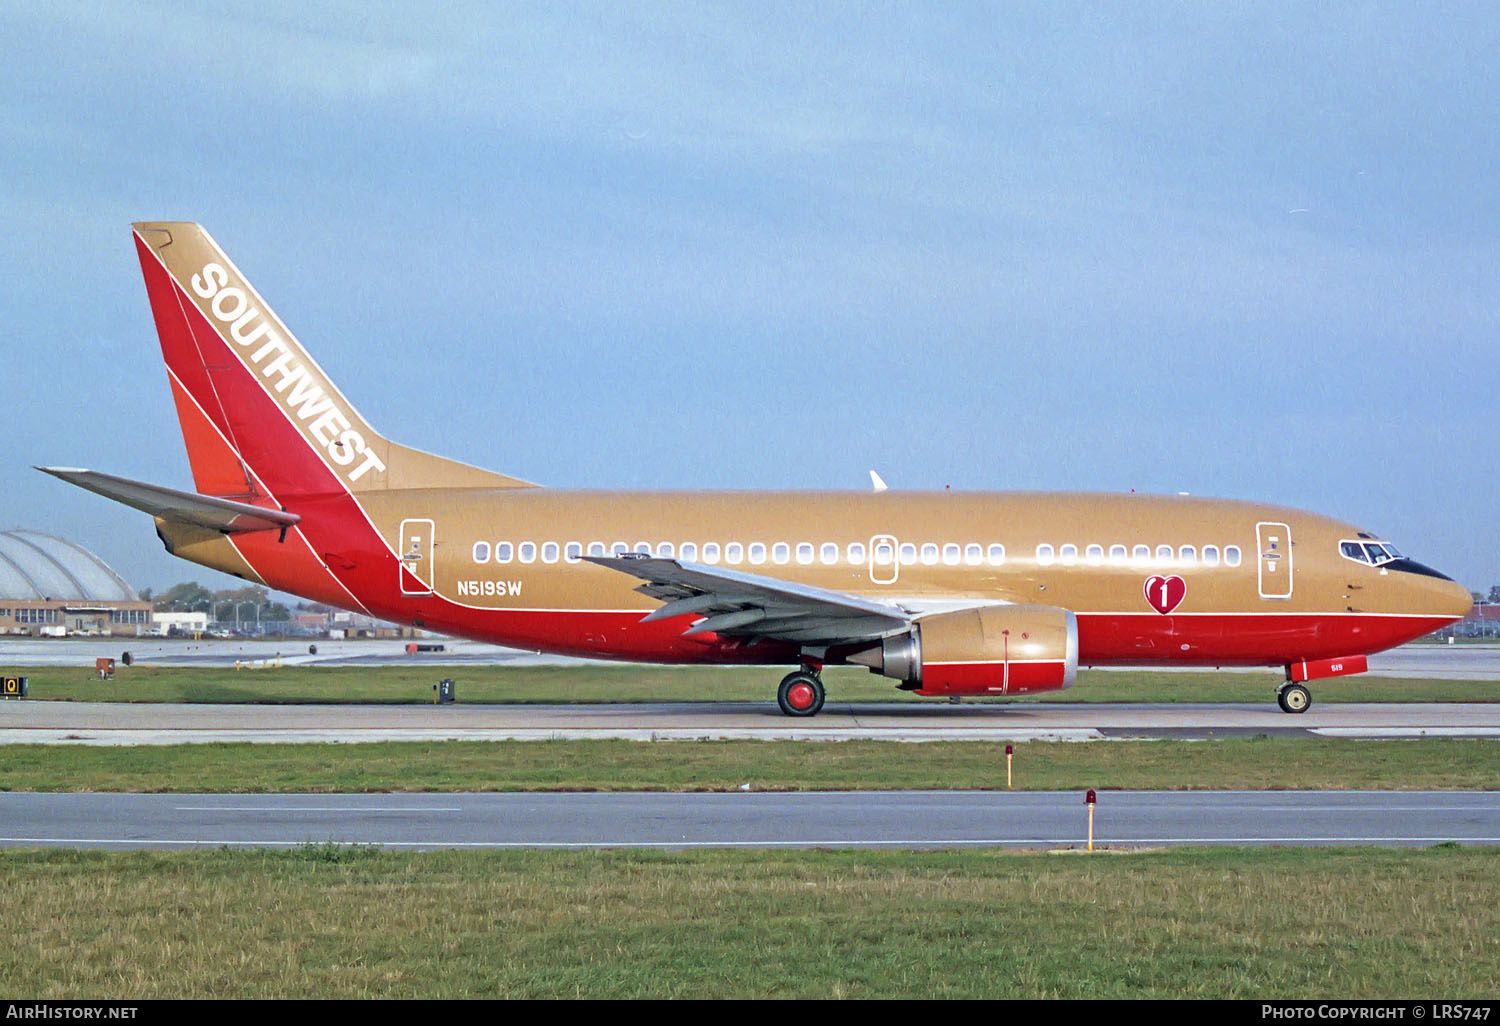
column 801, row 695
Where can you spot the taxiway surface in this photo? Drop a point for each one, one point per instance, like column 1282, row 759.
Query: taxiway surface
column 885, row 819
column 117, row 723
column 1424, row 660
column 152, row 723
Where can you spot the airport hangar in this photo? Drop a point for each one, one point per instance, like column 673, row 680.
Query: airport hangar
column 50, row 586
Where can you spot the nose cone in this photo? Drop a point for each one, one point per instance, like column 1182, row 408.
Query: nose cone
column 1439, row 596
column 1430, row 592
column 1456, row 600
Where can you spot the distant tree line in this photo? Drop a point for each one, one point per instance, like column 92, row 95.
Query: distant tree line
column 192, row 597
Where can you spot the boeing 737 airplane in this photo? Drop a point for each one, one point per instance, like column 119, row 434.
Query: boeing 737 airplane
column 948, row 594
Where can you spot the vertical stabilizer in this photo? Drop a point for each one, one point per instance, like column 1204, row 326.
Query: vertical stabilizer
column 256, row 411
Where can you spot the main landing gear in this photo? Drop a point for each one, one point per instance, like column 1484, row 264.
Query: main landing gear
column 1293, row 698
column 801, row 693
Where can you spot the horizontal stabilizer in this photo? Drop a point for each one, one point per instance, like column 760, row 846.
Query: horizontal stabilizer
column 223, row 515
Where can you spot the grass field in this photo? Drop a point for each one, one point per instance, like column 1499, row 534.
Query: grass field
column 326, row 922
column 484, row 684
column 1229, row 764
column 323, row 921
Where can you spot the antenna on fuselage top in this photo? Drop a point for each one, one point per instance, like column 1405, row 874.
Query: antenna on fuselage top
column 877, row 483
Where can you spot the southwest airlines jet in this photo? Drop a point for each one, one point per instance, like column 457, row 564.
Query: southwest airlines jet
column 948, row 594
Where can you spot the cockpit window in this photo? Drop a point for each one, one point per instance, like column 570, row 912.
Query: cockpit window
column 1372, row 553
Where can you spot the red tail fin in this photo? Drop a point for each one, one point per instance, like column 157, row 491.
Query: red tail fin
column 257, row 413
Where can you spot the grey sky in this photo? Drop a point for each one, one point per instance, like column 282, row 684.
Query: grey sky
column 1241, row 251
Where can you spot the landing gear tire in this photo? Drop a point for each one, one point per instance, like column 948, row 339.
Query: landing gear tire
column 1293, row 698
column 800, row 694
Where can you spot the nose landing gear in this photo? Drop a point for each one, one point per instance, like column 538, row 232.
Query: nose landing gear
column 1293, row 698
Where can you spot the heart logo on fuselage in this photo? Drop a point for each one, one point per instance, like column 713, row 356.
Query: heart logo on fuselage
column 1165, row 594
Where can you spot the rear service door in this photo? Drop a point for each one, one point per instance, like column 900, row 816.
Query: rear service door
column 1274, row 544
column 416, row 557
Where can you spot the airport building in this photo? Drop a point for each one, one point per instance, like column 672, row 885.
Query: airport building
column 51, row 587
column 1483, row 621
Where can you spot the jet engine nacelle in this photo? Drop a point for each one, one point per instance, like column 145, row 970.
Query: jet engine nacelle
column 991, row 650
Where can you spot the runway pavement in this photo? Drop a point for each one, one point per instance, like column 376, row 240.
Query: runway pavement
column 1447, row 662
column 131, row 724
column 922, row 819
column 115, row 723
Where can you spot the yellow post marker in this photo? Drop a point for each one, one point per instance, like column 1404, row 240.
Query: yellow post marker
column 1089, row 800
column 1009, row 754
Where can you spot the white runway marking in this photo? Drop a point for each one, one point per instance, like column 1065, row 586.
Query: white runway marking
column 406, row 809
column 1399, row 732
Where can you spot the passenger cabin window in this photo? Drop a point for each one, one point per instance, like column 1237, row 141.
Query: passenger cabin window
column 1187, row 554
column 781, row 553
column 829, row 554
column 526, row 552
column 734, row 553
column 1141, row 554
column 481, row 552
column 805, row 553
column 710, row 553
column 1164, row 553
column 1210, row 555
column 996, row 554
column 644, row 548
column 689, row 551
column 929, row 554
column 950, row 554
column 1117, row 553
column 504, row 552
column 908, row 554
column 1094, row 554
column 596, row 548
column 883, row 553
column 757, row 552
column 572, row 552
column 664, row 550
column 619, row 548
column 1068, row 554
column 549, row 552
column 1044, row 555
column 1231, row 555
column 857, row 554
column 973, row 554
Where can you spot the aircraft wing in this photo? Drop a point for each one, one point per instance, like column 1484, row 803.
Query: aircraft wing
column 736, row 604
column 223, row 515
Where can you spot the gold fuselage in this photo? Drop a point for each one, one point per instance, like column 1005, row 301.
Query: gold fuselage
column 1322, row 580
